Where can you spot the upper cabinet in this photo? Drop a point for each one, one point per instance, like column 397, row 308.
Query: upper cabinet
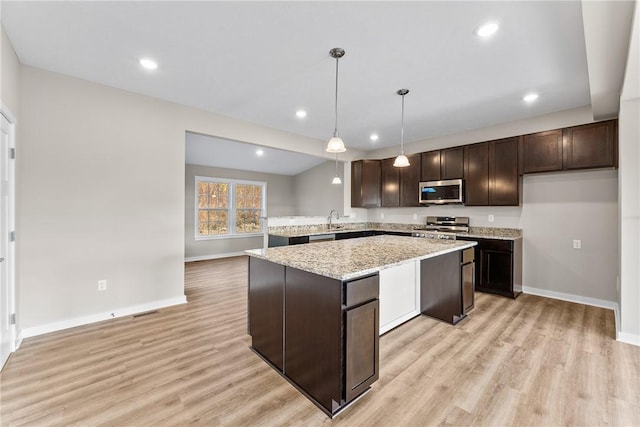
column 443, row 164
column 476, row 174
column 591, row 146
column 365, row 183
column 542, row 152
column 491, row 173
column 400, row 185
column 390, row 183
column 410, row 182
column 580, row 147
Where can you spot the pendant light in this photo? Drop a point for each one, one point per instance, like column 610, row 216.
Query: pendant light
column 336, row 179
column 401, row 160
column 335, row 144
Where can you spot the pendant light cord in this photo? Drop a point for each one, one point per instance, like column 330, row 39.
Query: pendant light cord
column 335, row 129
column 402, row 129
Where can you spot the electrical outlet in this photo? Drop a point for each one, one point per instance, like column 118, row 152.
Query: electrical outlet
column 577, row 244
column 415, row 216
column 381, row 216
column 491, row 218
column 102, row 285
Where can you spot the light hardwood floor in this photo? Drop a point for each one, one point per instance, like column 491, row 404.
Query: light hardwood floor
column 529, row 361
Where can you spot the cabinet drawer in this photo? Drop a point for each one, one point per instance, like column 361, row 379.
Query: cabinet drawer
column 361, row 290
column 495, row 244
column 467, row 256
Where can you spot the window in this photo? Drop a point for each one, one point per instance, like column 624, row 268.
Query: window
column 229, row 208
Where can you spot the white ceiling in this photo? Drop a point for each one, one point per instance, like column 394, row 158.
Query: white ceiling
column 261, row 61
column 205, row 150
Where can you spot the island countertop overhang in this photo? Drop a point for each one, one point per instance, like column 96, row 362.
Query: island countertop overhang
column 352, row 258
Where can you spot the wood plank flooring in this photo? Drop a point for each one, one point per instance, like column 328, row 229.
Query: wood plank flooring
column 532, row 361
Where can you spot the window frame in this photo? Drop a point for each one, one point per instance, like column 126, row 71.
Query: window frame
column 231, row 209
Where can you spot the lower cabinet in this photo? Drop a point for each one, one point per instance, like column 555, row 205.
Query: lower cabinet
column 438, row 298
column 499, row 266
column 330, row 337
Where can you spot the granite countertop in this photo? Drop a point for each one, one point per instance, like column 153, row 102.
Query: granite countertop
column 352, row 258
column 310, row 230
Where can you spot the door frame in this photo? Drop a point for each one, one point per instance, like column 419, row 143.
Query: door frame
column 11, row 250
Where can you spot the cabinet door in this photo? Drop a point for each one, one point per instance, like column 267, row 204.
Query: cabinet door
column 356, row 184
column 591, row 146
column 362, row 353
column 504, row 180
column 452, row 163
column 476, row 174
column 266, row 309
column 410, row 182
column 390, row 184
column 365, row 183
column 542, row 151
column 430, row 166
column 496, row 272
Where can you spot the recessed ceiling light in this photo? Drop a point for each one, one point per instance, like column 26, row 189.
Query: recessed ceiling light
column 301, row 114
column 149, row 64
column 486, row 30
column 530, row 97
column 259, row 152
column 374, row 137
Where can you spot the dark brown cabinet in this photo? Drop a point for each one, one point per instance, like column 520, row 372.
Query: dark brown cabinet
column 542, row 151
column 365, row 183
column 410, row 182
column 591, row 146
column 443, row 164
column 322, row 334
column 491, row 173
column 587, row 146
column 498, row 266
column 504, row 179
column 362, row 353
column 476, row 174
column 275, row 241
column 390, row 184
column 400, row 185
column 438, row 298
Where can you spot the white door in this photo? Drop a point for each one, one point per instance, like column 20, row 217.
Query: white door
column 6, row 243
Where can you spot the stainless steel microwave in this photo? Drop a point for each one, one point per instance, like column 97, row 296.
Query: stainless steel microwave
column 441, row 192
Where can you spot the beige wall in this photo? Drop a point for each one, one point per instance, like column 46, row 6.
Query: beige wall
column 280, row 202
column 314, row 193
column 101, row 185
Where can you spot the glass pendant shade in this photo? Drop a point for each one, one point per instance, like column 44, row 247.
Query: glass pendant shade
column 336, row 180
column 401, row 161
column 335, row 145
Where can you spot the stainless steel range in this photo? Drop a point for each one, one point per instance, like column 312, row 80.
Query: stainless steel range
column 443, row 227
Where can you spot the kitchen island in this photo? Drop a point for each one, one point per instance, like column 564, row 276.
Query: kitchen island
column 316, row 311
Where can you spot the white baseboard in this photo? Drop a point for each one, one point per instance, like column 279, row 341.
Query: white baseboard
column 99, row 317
column 217, row 256
column 570, row 297
column 628, row 338
column 19, row 339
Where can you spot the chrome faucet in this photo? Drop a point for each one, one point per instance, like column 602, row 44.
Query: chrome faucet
column 331, row 216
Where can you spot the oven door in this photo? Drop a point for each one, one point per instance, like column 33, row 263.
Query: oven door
column 441, row 192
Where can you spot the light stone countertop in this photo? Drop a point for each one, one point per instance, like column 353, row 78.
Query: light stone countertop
column 310, row 230
column 351, row 258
